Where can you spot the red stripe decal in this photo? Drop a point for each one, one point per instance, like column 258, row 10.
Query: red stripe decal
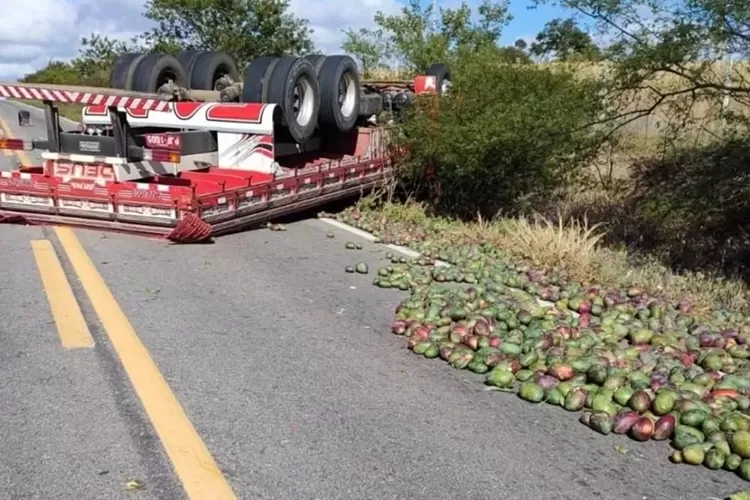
column 96, row 110
column 243, row 113
column 186, row 110
column 137, row 113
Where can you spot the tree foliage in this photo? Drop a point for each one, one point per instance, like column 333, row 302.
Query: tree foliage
column 513, row 54
column 415, row 45
column 370, row 47
column 245, row 29
column 55, row 72
column 565, row 41
column 92, row 65
column 505, row 138
column 670, row 52
column 98, row 54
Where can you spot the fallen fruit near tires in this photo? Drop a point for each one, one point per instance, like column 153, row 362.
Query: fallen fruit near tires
column 642, row 429
column 531, row 392
column 636, row 363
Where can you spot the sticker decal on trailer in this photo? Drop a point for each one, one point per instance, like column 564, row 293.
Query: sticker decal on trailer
column 98, row 173
column 249, row 145
column 26, row 199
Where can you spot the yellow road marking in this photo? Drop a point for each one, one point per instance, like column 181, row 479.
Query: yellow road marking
column 72, row 328
column 193, row 463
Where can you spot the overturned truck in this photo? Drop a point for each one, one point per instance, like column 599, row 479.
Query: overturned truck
column 182, row 147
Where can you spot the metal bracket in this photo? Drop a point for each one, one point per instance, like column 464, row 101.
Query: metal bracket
column 52, row 122
column 120, row 131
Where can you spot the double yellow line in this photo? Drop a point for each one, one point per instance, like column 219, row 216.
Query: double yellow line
column 196, row 468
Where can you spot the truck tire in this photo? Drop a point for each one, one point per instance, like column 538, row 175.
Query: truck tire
column 316, row 60
column 154, row 70
column 443, row 76
column 121, row 76
column 187, row 59
column 210, row 67
column 339, row 93
column 254, row 84
column 294, row 87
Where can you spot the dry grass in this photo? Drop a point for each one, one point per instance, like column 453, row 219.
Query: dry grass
column 388, row 74
column 552, row 244
column 572, row 246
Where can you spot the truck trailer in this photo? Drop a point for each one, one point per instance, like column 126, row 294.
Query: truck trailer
column 182, row 148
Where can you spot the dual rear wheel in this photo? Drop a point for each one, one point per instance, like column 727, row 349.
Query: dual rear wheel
column 194, row 69
column 314, row 92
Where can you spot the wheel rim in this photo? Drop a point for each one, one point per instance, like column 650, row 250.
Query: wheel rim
column 347, row 94
column 220, row 73
column 165, row 78
column 303, row 104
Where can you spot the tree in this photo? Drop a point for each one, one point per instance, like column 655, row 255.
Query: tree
column 682, row 42
column 564, row 40
column 369, row 46
column 245, row 29
column 520, row 44
column 513, row 55
column 98, row 54
column 416, row 46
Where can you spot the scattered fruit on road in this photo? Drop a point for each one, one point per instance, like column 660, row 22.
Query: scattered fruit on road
column 634, row 363
column 361, row 268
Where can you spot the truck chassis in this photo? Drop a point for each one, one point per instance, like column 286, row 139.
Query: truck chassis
column 190, row 164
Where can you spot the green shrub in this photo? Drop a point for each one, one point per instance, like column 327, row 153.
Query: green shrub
column 505, row 138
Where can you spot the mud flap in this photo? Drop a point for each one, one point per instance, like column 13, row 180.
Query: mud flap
column 24, row 118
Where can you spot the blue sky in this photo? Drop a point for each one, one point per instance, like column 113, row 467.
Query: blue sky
column 527, row 23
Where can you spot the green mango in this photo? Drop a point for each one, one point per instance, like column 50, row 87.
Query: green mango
column 478, row 367
column 554, row 397
column 499, row 377
column 664, row 402
column 531, row 392
column 732, row 462
column 714, row 459
column 694, row 454
column 740, row 442
column 744, row 470
column 693, row 418
column 685, row 435
column 623, row 395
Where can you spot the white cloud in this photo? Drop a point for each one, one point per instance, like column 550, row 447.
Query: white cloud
column 329, row 18
column 51, row 29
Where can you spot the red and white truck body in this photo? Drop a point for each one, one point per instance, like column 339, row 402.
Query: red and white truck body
column 188, row 170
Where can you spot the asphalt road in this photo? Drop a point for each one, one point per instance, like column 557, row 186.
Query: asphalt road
column 285, row 367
